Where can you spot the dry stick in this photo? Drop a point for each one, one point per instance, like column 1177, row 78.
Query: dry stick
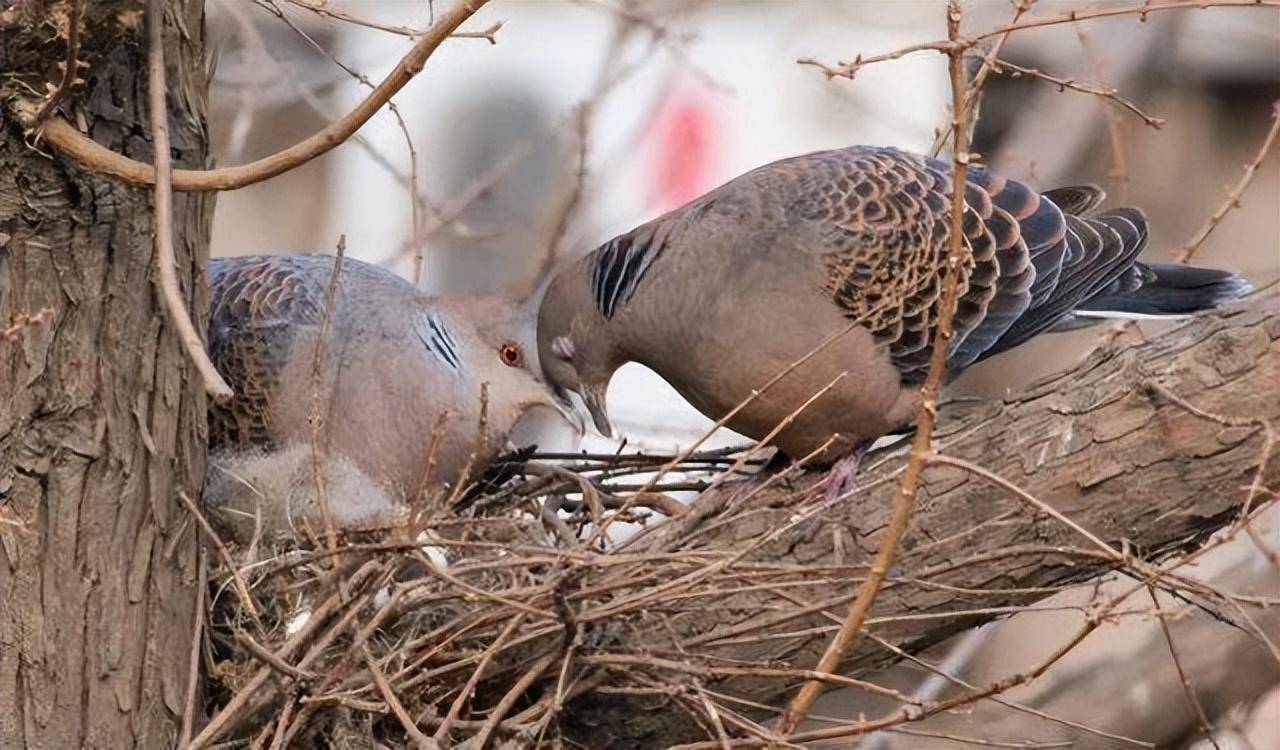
column 242, row 588
column 442, row 733
column 93, row 156
column 904, row 502
column 170, row 294
column 241, row 699
column 317, row 399
column 972, row 99
column 415, row 197
column 329, row 11
column 70, row 69
column 1084, row 87
column 947, row 46
column 1233, row 198
column 1119, row 171
column 1205, row 726
column 271, row 660
column 193, row 675
column 509, row 699
column 420, row 740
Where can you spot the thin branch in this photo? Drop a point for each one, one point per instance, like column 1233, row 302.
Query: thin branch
column 951, row 45
column 261, row 653
column 1084, row 87
column 1233, row 198
column 464, row 695
column 973, row 99
column 1205, row 726
column 170, row 293
column 197, row 637
column 508, row 700
column 242, row 589
column 420, row 740
column 904, row 502
column 328, row 11
column 90, row 155
column 319, row 399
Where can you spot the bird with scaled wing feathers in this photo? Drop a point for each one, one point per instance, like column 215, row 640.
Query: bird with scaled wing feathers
column 371, row 407
column 723, row 294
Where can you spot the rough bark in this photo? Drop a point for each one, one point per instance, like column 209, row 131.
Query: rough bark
column 102, row 419
column 1094, row 442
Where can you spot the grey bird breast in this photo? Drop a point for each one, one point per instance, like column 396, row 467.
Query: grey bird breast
column 338, row 399
column 721, row 295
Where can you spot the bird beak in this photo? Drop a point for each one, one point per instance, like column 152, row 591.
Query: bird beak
column 564, row 405
column 593, row 397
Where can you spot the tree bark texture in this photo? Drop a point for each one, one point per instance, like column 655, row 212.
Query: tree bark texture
column 1096, row 443
column 102, row 418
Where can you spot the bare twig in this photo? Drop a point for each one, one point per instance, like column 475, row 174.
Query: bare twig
column 904, row 502
column 420, row 740
column 1084, row 87
column 1233, row 198
column 464, row 695
column 319, row 397
column 271, row 660
column 509, row 699
column 170, row 293
column 197, row 637
column 94, row 157
column 1206, row 727
column 951, row 45
column 973, row 98
column 242, row 589
column 329, row 11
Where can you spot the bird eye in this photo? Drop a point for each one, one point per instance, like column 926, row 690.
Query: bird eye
column 511, row 354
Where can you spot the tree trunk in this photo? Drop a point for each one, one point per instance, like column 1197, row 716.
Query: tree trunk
column 1095, row 442
column 102, row 418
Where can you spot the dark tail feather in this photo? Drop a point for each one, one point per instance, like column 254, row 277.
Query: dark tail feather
column 1167, row 289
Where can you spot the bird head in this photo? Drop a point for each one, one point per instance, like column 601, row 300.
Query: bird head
column 575, row 347
column 507, row 359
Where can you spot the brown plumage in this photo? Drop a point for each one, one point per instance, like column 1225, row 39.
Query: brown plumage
column 722, row 294
column 393, row 362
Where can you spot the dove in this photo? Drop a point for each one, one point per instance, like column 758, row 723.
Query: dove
column 363, row 397
column 839, row 256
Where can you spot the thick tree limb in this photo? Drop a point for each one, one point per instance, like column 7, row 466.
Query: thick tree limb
column 1097, row 443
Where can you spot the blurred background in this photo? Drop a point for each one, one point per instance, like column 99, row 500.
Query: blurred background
column 588, row 117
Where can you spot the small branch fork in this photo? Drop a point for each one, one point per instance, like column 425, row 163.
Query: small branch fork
column 92, row 156
column 958, row 44
column 1233, row 198
column 904, row 503
column 168, row 279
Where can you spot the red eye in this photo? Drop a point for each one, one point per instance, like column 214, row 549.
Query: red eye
column 511, row 354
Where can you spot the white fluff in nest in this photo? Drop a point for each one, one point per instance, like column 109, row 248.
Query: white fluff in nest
column 257, row 494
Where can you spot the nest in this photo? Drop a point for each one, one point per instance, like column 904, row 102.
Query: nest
column 480, row 624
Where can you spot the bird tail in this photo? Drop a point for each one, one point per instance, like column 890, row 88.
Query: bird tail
column 1162, row 290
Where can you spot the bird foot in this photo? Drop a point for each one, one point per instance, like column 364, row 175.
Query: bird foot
column 842, row 479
